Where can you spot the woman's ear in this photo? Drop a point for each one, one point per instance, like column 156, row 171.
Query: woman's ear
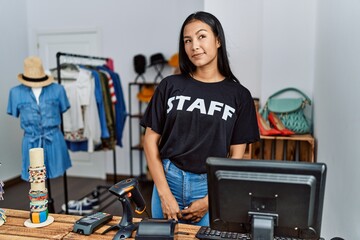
column 218, row 43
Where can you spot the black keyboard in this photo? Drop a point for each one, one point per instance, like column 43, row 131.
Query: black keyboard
column 211, row 234
column 208, row 233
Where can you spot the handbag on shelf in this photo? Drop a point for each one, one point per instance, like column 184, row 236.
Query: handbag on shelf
column 289, row 110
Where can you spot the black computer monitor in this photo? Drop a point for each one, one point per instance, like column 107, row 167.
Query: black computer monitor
column 266, row 198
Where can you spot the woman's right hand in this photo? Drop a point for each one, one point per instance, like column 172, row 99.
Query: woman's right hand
column 170, row 207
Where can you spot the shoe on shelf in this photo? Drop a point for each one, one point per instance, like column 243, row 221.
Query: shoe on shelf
column 80, row 207
column 95, row 202
column 265, row 128
column 276, row 122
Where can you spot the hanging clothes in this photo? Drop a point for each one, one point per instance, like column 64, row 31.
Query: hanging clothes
column 120, row 106
column 81, row 123
column 110, row 103
column 40, row 123
column 107, row 143
column 103, row 100
column 99, row 102
column 111, row 87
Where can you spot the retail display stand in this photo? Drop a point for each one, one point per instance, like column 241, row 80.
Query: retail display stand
column 2, row 212
column 291, row 148
column 145, row 90
column 60, row 55
column 38, row 194
column 135, row 132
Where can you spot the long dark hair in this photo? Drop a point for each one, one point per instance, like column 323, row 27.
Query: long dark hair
column 186, row 66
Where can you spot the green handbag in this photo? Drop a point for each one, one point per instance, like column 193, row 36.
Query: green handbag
column 289, row 110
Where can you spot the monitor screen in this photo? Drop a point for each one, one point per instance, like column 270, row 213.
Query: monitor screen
column 266, row 197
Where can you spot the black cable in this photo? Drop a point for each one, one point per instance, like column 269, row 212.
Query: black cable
column 147, row 213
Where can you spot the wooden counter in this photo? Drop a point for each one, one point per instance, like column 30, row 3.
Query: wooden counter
column 62, row 227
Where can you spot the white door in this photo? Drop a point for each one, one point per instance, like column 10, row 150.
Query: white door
column 84, row 164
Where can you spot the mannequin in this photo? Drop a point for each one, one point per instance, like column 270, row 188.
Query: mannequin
column 39, row 102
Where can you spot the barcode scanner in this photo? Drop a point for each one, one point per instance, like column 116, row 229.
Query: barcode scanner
column 127, row 190
column 130, row 188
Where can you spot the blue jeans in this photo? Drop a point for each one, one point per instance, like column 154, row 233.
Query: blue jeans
column 186, row 188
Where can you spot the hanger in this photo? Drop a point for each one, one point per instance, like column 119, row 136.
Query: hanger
column 65, row 66
column 69, row 66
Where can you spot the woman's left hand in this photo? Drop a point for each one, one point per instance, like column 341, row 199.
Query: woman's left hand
column 196, row 210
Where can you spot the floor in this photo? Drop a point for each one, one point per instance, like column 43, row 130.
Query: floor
column 16, row 196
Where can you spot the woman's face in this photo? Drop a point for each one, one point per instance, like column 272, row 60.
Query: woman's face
column 201, row 45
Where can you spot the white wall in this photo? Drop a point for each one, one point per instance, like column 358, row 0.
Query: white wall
column 13, row 49
column 242, row 23
column 288, row 45
column 336, row 97
column 270, row 43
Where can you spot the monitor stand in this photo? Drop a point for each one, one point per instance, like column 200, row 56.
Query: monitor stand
column 262, row 227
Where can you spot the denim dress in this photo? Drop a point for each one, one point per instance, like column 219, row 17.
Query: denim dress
column 40, row 123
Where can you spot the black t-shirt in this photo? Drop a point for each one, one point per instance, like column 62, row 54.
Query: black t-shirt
column 197, row 120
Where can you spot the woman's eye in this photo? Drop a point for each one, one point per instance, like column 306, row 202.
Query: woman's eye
column 202, row 36
column 187, row 41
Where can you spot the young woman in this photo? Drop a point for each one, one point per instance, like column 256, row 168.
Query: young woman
column 202, row 112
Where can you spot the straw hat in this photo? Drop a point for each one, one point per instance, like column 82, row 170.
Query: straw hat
column 34, row 74
column 146, row 92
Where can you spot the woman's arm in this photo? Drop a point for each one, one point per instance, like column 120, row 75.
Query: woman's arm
column 237, row 151
column 169, row 205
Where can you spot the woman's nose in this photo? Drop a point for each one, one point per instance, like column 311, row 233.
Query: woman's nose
column 195, row 45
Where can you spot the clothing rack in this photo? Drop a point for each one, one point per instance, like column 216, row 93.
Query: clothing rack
column 58, row 67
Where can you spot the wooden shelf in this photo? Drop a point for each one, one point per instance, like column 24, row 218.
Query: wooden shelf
column 293, row 148
column 136, row 112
